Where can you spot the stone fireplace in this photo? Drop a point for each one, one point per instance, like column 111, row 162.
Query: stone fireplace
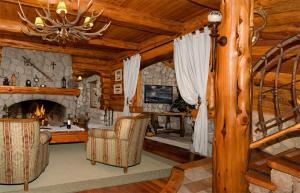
column 54, row 112
column 55, row 66
column 22, row 105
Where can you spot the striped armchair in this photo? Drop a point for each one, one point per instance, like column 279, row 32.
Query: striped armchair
column 23, row 151
column 121, row 146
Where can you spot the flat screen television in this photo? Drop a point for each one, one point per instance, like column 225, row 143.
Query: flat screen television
column 158, row 94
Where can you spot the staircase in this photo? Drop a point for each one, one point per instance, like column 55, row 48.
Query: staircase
column 278, row 174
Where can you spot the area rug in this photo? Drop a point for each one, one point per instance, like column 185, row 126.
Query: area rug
column 174, row 139
column 69, row 171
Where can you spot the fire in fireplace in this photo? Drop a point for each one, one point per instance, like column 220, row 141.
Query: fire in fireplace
column 46, row 111
column 40, row 114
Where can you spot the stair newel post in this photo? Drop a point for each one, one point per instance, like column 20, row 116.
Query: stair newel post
column 231, row 140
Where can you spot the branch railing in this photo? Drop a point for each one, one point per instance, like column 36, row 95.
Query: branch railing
column 282, row 58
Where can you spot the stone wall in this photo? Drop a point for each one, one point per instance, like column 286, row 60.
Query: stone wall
column 276, row 146
column 83, row 103
column 12, row 62
column 158, row 74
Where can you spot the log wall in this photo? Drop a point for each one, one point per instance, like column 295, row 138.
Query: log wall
column 283, row 20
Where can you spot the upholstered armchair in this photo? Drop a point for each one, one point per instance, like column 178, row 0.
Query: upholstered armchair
column 23, row 151
column 121, row 146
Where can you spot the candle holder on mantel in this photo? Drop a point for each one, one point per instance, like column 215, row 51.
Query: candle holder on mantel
column 63, row 82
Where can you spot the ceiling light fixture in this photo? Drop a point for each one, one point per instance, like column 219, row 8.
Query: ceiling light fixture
column 61, row 29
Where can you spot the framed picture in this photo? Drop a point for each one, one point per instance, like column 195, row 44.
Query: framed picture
column 158, row 94
column 118, row 75
column 118, row 88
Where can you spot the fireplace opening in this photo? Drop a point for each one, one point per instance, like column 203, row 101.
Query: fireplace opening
column 48, row 111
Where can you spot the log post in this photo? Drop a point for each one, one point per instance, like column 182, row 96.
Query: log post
column 231, row 140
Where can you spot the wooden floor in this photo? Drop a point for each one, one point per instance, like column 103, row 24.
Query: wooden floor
column 153, row 186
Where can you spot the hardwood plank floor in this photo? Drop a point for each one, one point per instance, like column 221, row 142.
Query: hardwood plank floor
column 152, row 186
column 171, row 152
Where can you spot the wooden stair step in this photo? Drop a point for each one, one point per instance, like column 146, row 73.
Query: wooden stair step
column 293, row 155
column 260, row 179
column 262, row 163
column 287, row 162
column 258, row 161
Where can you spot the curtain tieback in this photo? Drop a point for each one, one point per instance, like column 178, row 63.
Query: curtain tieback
column 128, row 102
column 200, row 101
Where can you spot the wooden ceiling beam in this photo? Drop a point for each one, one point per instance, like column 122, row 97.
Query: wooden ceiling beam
column 112, row 43
column 212, row 4
column 16, row 27
column 164, row 41
column 95, row 61
column 121, row 16
column 196, row 23
column 90, row 67
column 52, row 48
column 161, row 53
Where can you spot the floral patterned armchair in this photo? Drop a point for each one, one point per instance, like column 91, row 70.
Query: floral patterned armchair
column 120, row 146
column 23, row 151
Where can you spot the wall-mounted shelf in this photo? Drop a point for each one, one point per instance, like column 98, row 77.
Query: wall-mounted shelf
column 39, row 90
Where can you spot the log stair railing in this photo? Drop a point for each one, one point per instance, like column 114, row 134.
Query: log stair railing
column 285, row 55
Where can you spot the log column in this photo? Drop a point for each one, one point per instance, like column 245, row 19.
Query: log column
column 231, row 140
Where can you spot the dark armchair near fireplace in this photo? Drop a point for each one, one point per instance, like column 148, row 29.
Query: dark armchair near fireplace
column 23, row 151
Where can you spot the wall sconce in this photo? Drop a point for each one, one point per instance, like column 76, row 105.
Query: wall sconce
column 214, row 19
column 79, row 78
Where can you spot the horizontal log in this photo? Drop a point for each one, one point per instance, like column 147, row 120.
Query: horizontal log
column 277, row 6
column 282, row 18
column 274, row 136
column 16, row 27
column 287, row 28
column 38, row 90
column 113, row 43
column 121, row 15
column 212, row 4
column 197, row 22
column 153, row 56
column 50, row 48
column 80, row 59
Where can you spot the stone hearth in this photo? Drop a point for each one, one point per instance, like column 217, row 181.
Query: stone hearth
column 69, row 102
column 54, row 112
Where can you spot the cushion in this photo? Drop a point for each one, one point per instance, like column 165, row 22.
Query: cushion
column 45, row 137
column 102, row 133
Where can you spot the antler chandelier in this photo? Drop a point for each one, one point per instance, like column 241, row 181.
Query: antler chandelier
column 61, row 29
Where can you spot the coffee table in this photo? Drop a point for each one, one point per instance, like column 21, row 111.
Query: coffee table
column 69, row 136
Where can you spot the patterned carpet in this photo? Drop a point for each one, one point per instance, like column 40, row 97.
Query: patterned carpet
column 174, row 139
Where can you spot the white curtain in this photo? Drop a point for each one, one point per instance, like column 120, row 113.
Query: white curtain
column 191, row 58
column 131, row 73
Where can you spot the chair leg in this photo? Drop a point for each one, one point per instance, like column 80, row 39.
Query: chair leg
column 125, row 170
column 93, row 162
column 26, row 186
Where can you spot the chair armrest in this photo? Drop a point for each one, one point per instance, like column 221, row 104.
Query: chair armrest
column 45, row 137
column 102, row 133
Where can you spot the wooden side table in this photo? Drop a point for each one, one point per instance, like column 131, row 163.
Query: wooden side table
column 69, row 136
column 168, row 115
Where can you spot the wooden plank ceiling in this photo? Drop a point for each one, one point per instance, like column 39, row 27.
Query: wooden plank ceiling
column 137, row 26
column 141, row 26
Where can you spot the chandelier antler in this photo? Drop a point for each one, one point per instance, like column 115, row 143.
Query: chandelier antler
column 61, row 29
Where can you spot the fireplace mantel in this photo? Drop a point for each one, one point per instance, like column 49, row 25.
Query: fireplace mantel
column 39, row 90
